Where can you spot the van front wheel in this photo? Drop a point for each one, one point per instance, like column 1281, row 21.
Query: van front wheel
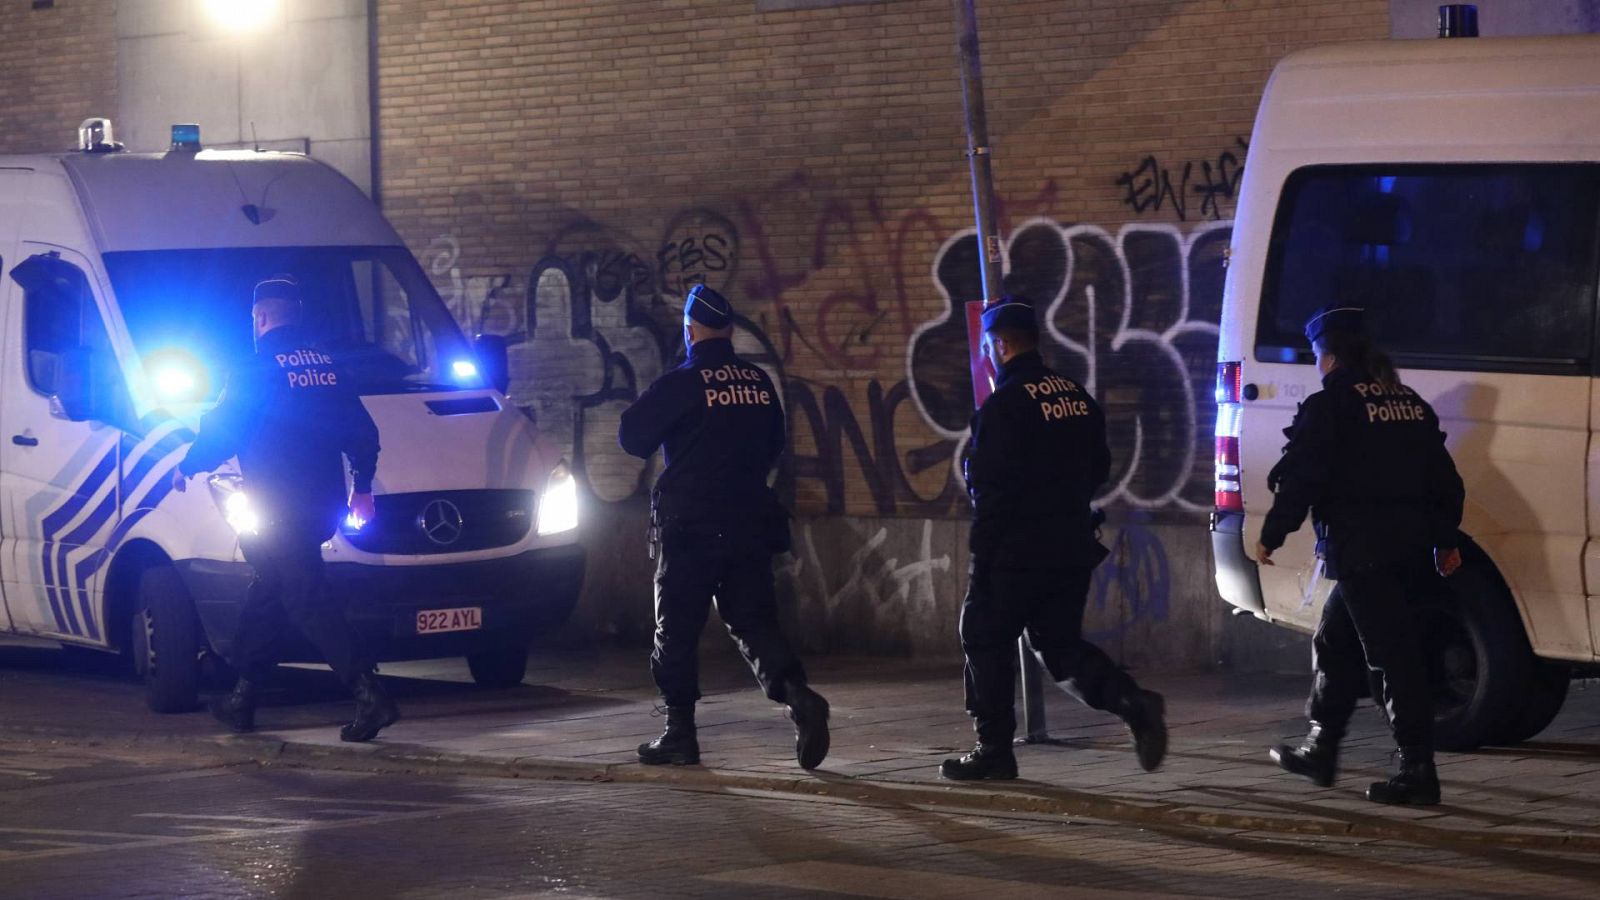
column 499, row 665
column 166, row 642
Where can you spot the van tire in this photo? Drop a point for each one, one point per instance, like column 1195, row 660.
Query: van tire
column 1479, row 664
column 499, row 666
column 1547, row 691
column 166, row 641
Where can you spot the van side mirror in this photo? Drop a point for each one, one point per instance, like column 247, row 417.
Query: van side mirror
column 48, row 272
column 84, row 385
column 493, row 360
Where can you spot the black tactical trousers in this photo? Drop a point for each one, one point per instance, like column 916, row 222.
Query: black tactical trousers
column 1048, row 604
column 1367, row 636
column 290, row 588
column 692, row 568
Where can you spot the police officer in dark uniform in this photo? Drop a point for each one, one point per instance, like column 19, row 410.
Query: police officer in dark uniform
column 1366, row 457
column 1035, row 459
column 288, row 417
column 715, row 527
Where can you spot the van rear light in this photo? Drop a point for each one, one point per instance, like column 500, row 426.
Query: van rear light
column 1230, row 383
column 1229, row 498
column 1230, row 390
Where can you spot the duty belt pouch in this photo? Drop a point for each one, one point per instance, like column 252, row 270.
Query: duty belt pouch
column 653, row 533
column 670, row 517
column 1097, row 550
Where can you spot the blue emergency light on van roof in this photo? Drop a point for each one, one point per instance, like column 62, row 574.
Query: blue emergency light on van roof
column 186, row 137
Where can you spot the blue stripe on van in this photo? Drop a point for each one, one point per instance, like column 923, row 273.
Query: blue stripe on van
column 57, row 592
column 78, row 537
column 154, row 456
column 64, row 594
column 158, row 492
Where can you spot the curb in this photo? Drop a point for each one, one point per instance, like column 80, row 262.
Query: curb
column 1024, row 797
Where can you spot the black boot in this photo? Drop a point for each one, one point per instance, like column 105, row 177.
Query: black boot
column 1417, row 784
column 238, row 709
column 986, row 762
column 1317, row 757
column 809, row 712
column 677, row 745
column 374, row 710
column 1145, row 714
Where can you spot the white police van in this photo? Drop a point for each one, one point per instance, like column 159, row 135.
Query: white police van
column 126, row 292
column 1453, row 187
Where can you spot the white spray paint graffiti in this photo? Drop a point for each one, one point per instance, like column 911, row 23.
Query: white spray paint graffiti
column 1132, row 314
column 878, row 581
column 482, row 304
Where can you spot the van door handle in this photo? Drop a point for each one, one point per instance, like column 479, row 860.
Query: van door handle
column 23, row 440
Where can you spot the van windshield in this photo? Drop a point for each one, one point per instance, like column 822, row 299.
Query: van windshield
column 1461, row 266
column 371, row 307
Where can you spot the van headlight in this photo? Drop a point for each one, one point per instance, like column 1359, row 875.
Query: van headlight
column 227, row 491
column 558, row 505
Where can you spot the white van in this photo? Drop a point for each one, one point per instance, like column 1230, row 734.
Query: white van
column 126, row 294
column 1453, row 187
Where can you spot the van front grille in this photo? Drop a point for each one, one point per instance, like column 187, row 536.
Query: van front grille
column 445, row 522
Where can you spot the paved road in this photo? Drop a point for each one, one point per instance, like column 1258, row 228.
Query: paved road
column 117, row 822
column 100, row 798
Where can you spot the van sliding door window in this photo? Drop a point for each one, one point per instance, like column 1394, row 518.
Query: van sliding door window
column 1461, row 267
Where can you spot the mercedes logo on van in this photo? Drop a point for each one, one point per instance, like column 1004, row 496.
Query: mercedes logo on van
column 441, row 522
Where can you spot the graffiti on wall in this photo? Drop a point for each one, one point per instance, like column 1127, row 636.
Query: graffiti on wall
column 1151, row 186
column 893, row 587
column 1133, row 587
column 870, row 572
column 482, row 304
column 1133, row 316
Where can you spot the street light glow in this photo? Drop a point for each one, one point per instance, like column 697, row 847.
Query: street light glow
column 241, row 16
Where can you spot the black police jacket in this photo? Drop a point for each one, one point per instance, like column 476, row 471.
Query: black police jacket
column 722, row 426
column 1036, row 457
column 288, row 417
column 1371, row 466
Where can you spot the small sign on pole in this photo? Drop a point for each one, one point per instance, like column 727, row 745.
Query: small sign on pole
column 983, row 373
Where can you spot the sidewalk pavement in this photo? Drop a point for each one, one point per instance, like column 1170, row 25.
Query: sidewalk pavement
column 581, row 716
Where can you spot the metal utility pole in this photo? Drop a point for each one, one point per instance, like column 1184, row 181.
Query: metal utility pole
column 978, row 151
column 979, row 159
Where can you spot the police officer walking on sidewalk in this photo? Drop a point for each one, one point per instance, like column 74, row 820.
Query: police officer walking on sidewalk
column 1367, row 458
column 287, row 417
column 715, row 525
column 1036, row 457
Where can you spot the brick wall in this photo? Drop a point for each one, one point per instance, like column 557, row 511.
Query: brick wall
column 59, row 67
column 811, row 162
column 566, row 167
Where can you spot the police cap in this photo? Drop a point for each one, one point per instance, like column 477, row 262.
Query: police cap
column 1011, row 312
column 1342, row 317
column 708, row 307
column 278, row 287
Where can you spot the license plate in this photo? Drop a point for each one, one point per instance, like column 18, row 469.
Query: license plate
column 437, row 621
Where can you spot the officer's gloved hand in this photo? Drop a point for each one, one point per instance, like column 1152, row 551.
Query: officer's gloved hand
column 362, row 509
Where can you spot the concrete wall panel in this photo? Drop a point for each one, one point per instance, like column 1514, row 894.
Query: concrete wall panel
column 1501, row 18
column 173, row 78
column 312, row 81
